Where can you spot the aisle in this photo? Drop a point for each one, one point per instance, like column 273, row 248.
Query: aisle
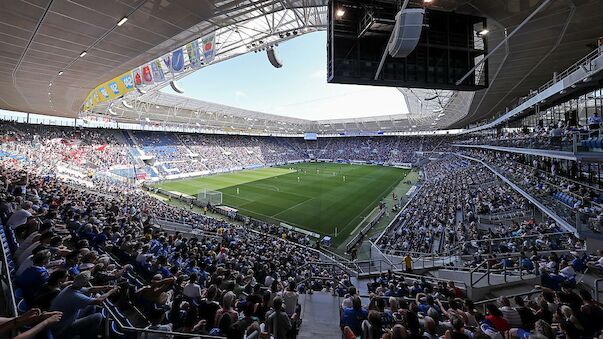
column 320, row 313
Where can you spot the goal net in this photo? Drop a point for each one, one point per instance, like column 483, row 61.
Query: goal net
column 208, row 196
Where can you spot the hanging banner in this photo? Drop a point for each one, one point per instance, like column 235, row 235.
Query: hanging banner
column 208, row 42
column 109, row 90
column 147, row 77
column 157, row 71
column 178, row 60
column 192, row 50
column 137, row 76
column 127, row 81
column 167, row 61
column 103, row 91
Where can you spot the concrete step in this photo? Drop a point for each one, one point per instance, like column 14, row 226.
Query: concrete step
column 320, row 314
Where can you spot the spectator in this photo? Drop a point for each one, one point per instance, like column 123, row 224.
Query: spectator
column 79, row 315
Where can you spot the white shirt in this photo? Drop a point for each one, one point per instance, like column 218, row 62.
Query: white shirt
column 568, row 272
column 18, row 218
column 290, row 301
column 192, row 290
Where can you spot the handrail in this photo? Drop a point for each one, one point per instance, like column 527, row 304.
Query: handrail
column 504, row 217
column 112, row 316
column 382, row 254
column 483, row 303
column 558, row 177
column 597, row 290
column 508, row 238
column 9, row 283
column 586, row 59
column 560, row 221
column 419, row 277
column 499, row 117
column 487, row 273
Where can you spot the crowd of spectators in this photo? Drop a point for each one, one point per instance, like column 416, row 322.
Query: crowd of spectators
column 75, row 249
column 557, row 135
column 93, row 149
column 396, row 309
column 446, row 208
column 542, row 179
column 382, row 149
column 99, row 150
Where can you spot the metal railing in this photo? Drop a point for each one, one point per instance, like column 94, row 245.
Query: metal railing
column 483, row 303
column 598, row 290
column 505, row 216
column 375, row 266
column 332, row 266
column 496, row 118
column 7, row 284
column 586, row 60
column 142, row 333
column 435, row 259
column 493, row 241
column 457, row 283
column 488, row 271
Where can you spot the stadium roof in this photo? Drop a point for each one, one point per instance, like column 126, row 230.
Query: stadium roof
column 41, row 39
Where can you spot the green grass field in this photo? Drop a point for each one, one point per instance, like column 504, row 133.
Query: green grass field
column 313, row 196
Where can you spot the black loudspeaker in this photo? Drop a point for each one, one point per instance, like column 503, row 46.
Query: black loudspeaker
column 273, row 57
column 406, row 33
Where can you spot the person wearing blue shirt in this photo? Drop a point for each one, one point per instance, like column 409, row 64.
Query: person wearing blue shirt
column 34, row 276
column 79, row 315
column 354, row 316
column 416, row 288
column 425, row 302
column 72, row 264
column 527, row 264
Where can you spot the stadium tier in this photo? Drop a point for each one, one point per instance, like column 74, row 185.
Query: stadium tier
column 158, row 180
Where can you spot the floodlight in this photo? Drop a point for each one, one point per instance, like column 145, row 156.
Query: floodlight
column 122, row 21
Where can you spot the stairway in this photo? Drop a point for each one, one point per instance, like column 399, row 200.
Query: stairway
column 320, row 314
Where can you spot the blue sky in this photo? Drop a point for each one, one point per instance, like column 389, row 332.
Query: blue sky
column 298, row 89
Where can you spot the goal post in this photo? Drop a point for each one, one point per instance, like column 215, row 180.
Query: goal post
column 212, row 197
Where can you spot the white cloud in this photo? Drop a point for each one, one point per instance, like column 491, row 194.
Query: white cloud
column 344, row 101
column 319, row 73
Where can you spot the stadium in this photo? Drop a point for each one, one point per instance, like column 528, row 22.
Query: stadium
column 376, row 169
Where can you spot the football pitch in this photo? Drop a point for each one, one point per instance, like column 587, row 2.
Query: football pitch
column 314, row 196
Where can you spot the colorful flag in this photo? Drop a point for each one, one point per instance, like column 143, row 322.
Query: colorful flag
column 191, row 54
column 208, row 42
column 104, row 92
column 157, row 71
column 167, row 61
column 147, row 77
column 127, row 81
column 197, row 51
column 137, row 76
column 194, row 56
column 178, row 60
column 114, row 88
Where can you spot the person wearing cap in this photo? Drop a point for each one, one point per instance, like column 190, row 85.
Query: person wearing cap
column 79, row 315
